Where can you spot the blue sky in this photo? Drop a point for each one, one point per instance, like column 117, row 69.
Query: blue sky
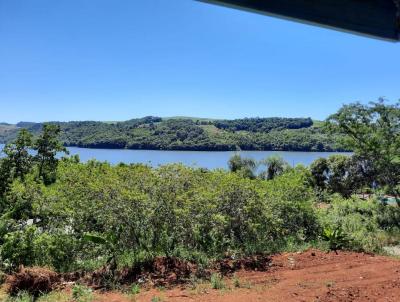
column 116, row 60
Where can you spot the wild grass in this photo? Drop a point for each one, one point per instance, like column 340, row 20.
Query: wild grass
column 81, row 293
column 55, row 296
column 217, row 281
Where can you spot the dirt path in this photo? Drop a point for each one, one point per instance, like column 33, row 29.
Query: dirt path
column 309, row 276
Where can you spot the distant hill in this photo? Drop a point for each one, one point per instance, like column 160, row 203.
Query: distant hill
column 7, row 131
column 194, row 119
column 189, row 133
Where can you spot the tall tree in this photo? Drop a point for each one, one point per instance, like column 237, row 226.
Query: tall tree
column 319, row 173
column 16, row 163
column 244, row 166
column 276, row 165
column 18, row 154
column 373, row 132
column 47, row 146
column 340, row 174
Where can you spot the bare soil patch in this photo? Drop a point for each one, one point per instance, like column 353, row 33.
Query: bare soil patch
column 310, row 276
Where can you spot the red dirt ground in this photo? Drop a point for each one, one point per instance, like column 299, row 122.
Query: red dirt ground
column 309, row 276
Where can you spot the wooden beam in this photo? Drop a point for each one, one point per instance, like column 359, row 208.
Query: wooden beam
column 376, row 18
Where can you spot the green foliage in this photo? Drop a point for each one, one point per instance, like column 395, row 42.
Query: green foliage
column 18, row 247
column 21, row 297
column 81, row 293
column 263, row 124
column 17, row 163
column 276, row 165
column 135, row 289
column 363, row 225
column 99, row 211
column 18, row 154
column 291, row 206
column 110, row 242
column 247, row 167
column 341, row 174
column 236, row 281
column 6, row 177
column 21, row 238
column 336, row 238
column 190, row 134
column 29, row 246
column 216, row 281
column 244, row 166
column 373, row 132
column 56, row 296
column 47, row 146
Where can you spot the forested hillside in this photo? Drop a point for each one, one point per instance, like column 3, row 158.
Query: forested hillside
column 179, row 133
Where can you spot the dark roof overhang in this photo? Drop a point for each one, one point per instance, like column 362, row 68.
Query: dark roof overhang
column 375, row 18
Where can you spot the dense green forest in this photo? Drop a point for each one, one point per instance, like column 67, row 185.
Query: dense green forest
column 287, row 134
column 79, row 217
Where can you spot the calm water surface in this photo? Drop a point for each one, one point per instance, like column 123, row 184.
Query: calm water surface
column 210, row 160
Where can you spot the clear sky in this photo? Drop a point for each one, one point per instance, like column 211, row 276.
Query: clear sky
column 120, row 59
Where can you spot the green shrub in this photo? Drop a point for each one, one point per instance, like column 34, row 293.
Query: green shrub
column 337, row 240
column 55, row 296
column 236, row 281
column 217, row 282
column 135, row 289
column 364, row 224
column 81, row 293
column 21, row 297
column 172, row 210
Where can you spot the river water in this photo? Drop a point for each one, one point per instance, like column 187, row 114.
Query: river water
column 204, row 159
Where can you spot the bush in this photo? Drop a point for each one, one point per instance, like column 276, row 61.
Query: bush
column 31, row 247
column 21, row 297
column 290, row 204
column 217, row 282
column 135, row 289
column 363, row 223
column 336, row 239
column 172, row 210
column 81, row 293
